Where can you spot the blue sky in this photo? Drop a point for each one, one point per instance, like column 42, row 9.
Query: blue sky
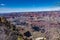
column 28, row 5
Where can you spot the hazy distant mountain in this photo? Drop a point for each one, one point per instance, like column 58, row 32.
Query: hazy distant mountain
column 25, row 13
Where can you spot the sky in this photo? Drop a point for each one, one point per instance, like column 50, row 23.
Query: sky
column 28, row 5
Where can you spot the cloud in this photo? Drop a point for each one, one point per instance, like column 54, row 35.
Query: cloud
column 2, row 4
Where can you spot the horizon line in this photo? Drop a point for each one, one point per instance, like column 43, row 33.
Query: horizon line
column 10, row 10
column 31, row 11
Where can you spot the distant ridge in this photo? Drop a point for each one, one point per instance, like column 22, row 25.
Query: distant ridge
column 29, row 12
